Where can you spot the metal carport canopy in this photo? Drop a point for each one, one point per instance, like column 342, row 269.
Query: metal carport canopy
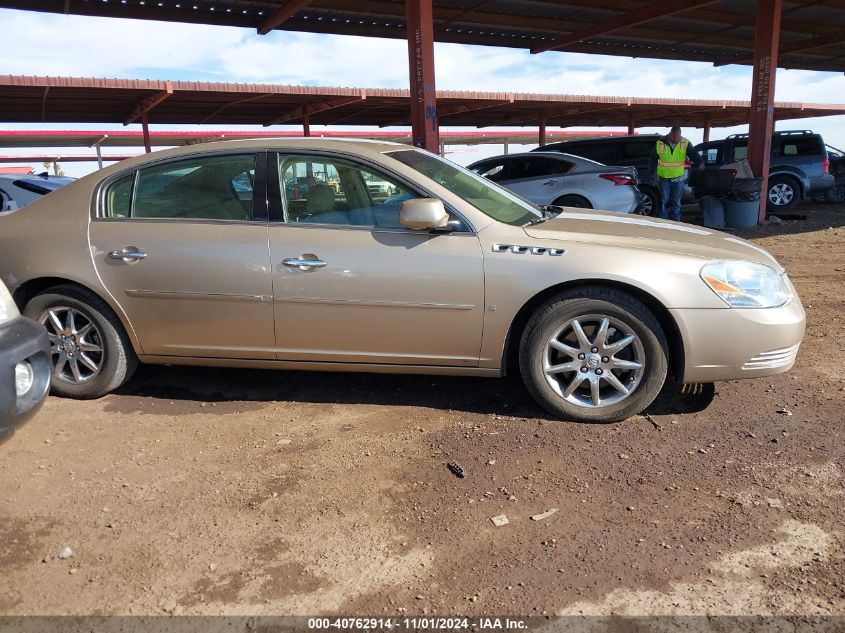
column 91, row 100
column 718, row 31
column 768, row 34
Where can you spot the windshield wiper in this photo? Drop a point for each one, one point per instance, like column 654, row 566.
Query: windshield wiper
column 549, row 211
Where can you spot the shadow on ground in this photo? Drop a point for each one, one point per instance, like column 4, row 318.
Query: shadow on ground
column 505, row 396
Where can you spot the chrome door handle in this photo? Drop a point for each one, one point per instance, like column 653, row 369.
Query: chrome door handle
column 550, row 182
column 128, row 253
column 304, row 263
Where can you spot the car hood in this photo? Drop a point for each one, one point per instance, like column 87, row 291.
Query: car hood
column 641, row 232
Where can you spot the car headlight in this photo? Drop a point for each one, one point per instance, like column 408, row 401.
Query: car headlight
column 8, row 309
column 746, row 284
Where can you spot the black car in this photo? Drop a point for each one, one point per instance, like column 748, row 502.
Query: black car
column 633, row 151
column 24, row 366
column 799, row 167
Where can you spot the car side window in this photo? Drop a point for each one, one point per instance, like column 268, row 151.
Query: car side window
column 204, row 188
column 530, row 167
column 494, row 170
column 637, row 149
column 326, row 190
column 562, row 166
column 599, row 152
column 740, row 150
column 118, row 198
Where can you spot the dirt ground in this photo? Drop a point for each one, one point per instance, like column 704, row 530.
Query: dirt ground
column 203, row 491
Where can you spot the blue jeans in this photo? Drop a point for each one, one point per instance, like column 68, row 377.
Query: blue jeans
column 670, row 199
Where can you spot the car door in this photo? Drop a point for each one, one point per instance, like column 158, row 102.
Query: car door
column 182, row 247
column 350, row 284
column 539, row 179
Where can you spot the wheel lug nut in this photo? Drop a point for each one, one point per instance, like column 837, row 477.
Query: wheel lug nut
column 582, row 356
column 599, row 372
column 584, row 369
column 594, row 350
column 605, row 359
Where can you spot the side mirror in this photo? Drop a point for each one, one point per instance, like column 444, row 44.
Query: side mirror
column 423, row 214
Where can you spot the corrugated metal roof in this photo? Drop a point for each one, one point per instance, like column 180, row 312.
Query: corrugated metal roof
column 94, row 100
column 718, row 31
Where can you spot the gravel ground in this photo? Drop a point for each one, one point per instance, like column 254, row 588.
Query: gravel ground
column 206, row 491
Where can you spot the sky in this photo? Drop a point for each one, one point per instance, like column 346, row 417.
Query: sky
column 59, row 45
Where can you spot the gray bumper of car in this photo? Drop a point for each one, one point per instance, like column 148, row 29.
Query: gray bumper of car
column 22, row 340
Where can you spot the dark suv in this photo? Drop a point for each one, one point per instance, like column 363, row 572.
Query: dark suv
column 799, row 165
column 633, row 151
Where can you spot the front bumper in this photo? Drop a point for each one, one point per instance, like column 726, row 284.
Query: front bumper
column 22, row 340
column 732, row 343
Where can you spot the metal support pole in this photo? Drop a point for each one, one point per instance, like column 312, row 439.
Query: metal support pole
column 306, row 125
column 443, row 148
column 424, row 125
column 146, row 127
column 99, row 157
column 761, row 123
column 632, row 126
column 506, row 147
column 706, row 134
column 542, row 132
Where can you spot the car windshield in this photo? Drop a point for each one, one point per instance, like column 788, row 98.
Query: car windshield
column 484, row 195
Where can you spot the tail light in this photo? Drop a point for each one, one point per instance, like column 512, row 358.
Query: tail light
column 686, row 164
column 619, row 179
column 826, row 164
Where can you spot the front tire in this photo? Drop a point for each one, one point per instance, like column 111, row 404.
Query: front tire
column 90, row 352
column 593, row 355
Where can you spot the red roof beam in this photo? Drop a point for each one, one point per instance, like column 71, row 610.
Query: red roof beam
column 282, row 15
column 648, row 13
column 454, row 109
column 148, row 104
column 314, row 108
column 804, row 45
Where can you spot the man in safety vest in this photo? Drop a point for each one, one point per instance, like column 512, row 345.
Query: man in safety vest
column 671, row 153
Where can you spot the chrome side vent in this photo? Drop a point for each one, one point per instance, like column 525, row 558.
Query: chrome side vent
column 534, row 250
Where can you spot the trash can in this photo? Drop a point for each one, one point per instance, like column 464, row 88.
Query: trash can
column 713, row 210
column 741, row 213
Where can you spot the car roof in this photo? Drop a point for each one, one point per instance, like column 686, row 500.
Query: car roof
column 356, row 146
column 608, row 139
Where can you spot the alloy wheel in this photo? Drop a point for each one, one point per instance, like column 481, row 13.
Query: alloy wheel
column 594, row 361
column 76, row 344
column 781, row 194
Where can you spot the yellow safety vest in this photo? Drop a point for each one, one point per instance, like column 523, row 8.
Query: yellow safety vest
column 670, row 163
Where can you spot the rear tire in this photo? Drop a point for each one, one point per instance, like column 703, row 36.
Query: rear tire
column 90, row 351
column 651, row 202
column 571, row 381
column 570, row 200
column 783, row 194
column 836, row 194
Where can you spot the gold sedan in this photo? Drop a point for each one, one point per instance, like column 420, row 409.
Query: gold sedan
column 283, row 254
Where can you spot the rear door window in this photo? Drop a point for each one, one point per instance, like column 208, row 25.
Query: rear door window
column 740, row 150
column 530, row 167
column 495, row 170
column 201, row 188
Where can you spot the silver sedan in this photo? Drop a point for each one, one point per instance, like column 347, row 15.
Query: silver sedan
column 564, row 180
